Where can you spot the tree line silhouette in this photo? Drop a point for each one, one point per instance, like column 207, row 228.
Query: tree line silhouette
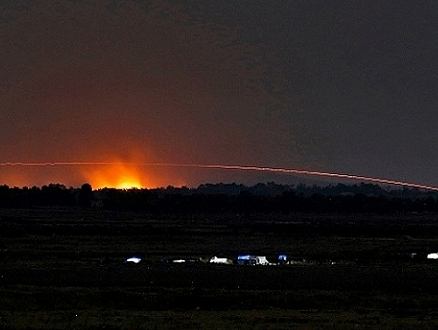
column 227, row 198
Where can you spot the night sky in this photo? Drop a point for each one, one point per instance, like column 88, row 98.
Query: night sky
column 340, row 86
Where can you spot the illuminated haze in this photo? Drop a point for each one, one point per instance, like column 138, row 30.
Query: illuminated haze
column 131, row 84
column 342, row 88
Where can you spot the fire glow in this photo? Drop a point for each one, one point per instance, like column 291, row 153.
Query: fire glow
column 126, row 175
column 116, row 175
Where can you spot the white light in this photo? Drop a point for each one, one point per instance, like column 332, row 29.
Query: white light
column 216, row 260
column 134, row 260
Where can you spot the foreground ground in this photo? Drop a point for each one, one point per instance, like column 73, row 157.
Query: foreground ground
column 66, row 269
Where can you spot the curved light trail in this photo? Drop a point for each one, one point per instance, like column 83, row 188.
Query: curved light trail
column 237, row 167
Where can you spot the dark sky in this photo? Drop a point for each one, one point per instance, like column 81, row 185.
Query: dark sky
column 341, row 86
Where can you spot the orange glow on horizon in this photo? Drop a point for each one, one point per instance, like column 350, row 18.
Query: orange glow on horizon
column 109, row 174
column 129, row 175
column 14, row 179
column 117, row 175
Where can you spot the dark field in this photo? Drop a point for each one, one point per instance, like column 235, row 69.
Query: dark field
column 66, row 269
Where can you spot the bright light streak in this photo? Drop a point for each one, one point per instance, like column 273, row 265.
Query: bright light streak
column 238, row 167
column 135, row 260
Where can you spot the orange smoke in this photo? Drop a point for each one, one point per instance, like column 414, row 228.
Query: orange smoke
column 126, row 175
column 117, row 175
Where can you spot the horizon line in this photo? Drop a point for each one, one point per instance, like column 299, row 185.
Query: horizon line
column 238, row 167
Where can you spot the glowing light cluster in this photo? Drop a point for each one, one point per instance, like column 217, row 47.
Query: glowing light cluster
column 126, row 174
